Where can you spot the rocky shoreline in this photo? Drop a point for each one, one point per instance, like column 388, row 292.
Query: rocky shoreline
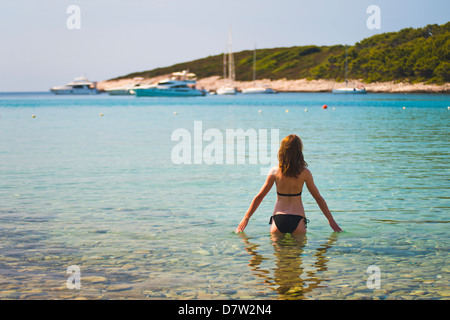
column 300, row 85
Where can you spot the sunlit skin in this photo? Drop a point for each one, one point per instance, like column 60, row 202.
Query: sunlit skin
column 289, row 205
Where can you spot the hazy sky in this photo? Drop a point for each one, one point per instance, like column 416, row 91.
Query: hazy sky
column 115, row 38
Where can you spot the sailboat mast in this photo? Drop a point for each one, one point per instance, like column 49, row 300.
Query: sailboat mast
column 225, row 63
column 231, row 70
column 346, row 81
column 229, row 54
column 254, row 64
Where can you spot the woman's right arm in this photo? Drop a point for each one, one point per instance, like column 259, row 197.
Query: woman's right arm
column 320, row 201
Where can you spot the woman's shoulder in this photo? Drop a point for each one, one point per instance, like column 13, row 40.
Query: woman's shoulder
column 274, row 170
column 305, row 172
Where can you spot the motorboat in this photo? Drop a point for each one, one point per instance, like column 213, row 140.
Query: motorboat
column 168, row 88
column 181, row 84
column 350, row 90
column 124, row 90
column 255, row 90
column 79, row 85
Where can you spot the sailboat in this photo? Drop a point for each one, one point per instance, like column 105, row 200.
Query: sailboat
column 353, row 90
column 228, row 89
column 256, row 89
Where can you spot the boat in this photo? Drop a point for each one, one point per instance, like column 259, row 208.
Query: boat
column 120, row 91
column 349, row 90
column 124, row 90
column 79, row 85
column 181, row 84
column 228, row 89
column 168, row 88
column 255, row 89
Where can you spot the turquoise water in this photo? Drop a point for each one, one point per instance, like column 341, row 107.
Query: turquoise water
column 103, row 193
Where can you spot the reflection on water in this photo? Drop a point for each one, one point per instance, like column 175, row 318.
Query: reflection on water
column 292, row 277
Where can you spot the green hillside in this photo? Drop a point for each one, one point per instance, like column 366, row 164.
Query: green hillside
column 414, row 55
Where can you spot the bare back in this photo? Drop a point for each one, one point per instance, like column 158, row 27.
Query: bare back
column 289, row 202
column 289, row 185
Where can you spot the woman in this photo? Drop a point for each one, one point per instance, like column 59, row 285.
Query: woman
column 289, row 177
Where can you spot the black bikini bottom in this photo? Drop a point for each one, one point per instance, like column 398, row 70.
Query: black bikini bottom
column 287, row 223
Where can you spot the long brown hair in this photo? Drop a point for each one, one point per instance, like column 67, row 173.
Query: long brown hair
column 290, row 156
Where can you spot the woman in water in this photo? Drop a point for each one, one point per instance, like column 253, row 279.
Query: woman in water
column 289, row 177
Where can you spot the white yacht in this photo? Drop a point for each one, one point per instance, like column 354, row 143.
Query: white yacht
column 226, row 90
column 79, row 85
column 182, row 84
column 350, row 90
column 255, row 90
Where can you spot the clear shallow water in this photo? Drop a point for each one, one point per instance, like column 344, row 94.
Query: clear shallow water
column 103, row 193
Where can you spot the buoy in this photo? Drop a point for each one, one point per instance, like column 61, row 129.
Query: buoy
column 101, row 114
column 287, row 110
column 324, row 106
column 306, row 110
column 33, row 116
column 175, row 113
column 404, row 108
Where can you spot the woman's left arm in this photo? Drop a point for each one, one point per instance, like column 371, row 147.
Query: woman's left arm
column 256, row 202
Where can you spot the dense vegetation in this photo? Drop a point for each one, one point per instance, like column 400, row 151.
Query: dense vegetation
column 410, row 54
column 414, row 55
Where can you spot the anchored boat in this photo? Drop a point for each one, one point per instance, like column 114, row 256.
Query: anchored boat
column 181, row 84
column 255, row 89
column 352, row 90
column 125, row 90
column 228, row 89
column 80, row 85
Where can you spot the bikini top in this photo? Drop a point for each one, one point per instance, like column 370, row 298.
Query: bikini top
column 289, row 195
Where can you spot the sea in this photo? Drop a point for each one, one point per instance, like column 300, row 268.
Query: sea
column 119, row 197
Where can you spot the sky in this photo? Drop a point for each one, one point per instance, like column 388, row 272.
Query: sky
column 39, row 50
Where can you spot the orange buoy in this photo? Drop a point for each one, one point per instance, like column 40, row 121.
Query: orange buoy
column 324, row 106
